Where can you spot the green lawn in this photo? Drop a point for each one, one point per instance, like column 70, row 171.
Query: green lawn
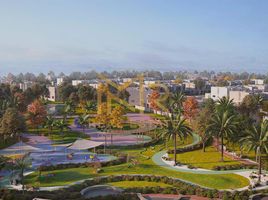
column 145, row 165
column 206, row 160
column 64, row 137
column 67, row 137
column 131, row 184
column 61, row 177
column 248, row 154
column 129, row 126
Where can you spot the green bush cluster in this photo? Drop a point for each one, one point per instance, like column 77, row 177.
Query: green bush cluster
column 53, row 195
column 117, row 197
column 177, row 187
column 187, row 148
column 233, row 167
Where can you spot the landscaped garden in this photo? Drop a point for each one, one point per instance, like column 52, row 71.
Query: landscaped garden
column 187, row 139
column 144, row 165
column 133, row 184
column 209, row 159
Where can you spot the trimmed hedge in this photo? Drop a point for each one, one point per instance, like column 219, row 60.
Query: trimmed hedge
column 234, row 167
column 187, row 148
column 178, row 187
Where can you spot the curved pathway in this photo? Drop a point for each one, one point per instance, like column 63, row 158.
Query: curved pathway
column 157, row 159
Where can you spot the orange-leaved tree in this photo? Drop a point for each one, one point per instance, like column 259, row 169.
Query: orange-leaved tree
column 190, row 108
column 36, row 113
column 153, row 98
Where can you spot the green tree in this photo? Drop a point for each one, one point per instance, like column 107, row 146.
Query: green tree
column 256, row 139
column 201, row 125
column 90, row 106
column 50, row 123
column 12, row 123
column 249, row 105
column 61, row 124
column 175, row 126
column 22, row 164
column 225, row 104
column 223, row 125
column 83, row 121
column 200, row 84
column 174, row 102
column 65, row 90
column 69, row 108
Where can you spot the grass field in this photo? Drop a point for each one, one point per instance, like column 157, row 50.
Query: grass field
column 145, row 165
column 67, row 136
column 206, row 160
column 131, row 184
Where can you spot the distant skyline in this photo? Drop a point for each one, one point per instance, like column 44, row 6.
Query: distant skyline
column 83, row 35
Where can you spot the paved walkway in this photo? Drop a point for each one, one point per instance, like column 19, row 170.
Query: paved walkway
column 157, row 159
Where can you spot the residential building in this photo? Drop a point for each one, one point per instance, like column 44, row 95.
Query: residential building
column 238, row 96
column 135, row 98
column 52, row 93
column 60, row 81
column 218, row 92
column 77, row 82
column 25, row 85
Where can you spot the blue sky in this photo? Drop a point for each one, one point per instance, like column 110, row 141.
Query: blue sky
column 80, row 35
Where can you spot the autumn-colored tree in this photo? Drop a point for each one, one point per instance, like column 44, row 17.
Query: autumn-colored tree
column 36, row 113
column 153, row 98
column 102, row 91
column 117, row 117
column 178, row 81
column 190, row 108
column 228, row 78
column 103, row 116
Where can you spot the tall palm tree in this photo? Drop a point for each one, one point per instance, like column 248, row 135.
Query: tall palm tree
column 176, row 101
column 225, row 104
column 69, row 108
column 256, row 139
column 90, row 106
column 83, row 121
column 50, row 123
column 173, row 127
column 223, row 125
column 22, row 164
column 61, row 124
column 259, row 99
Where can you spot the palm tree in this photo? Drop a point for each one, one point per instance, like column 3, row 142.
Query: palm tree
column 50, row 123
column 224, row 104
column 259, row 99
column 223, row 125
column 22, row 164
column 173, row 127
column 175, row 102
column 69, row 108
column 61, row 124
column 256, row 139
column 83, row 121
column 90, row 106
